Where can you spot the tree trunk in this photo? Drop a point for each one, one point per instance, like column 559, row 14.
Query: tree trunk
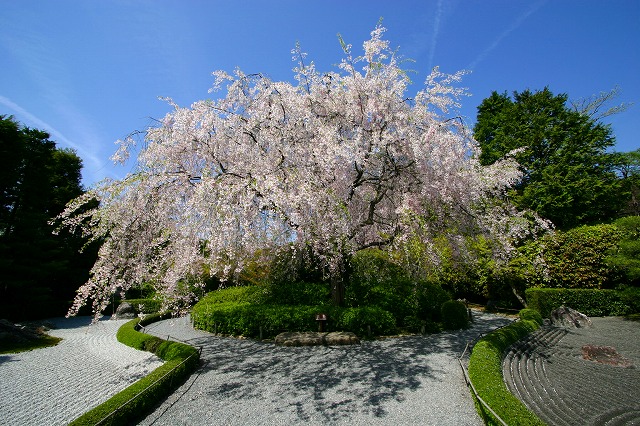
column 337, row 289
column 339, row 281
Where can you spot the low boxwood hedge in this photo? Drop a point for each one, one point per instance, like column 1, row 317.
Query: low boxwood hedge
column 485, row 372
column 125, row 407
column 591, row 302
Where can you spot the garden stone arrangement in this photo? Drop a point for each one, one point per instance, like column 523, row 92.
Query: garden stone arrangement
column 335, row 338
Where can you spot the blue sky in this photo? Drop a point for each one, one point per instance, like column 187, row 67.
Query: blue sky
column 90, row 72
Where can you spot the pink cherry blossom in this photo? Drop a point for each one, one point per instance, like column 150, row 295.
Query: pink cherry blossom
column 336, row 162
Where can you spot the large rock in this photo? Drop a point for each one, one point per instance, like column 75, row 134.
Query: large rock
column 125, row 311
column 570, row 318
column 316, row 339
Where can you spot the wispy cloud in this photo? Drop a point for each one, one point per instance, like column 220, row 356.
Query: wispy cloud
column 27, row 118
column 435, row 33
column 512, row 27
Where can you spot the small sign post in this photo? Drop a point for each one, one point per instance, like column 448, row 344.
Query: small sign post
column 322, row 320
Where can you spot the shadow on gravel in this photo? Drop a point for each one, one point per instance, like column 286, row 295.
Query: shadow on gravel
column 331, row 381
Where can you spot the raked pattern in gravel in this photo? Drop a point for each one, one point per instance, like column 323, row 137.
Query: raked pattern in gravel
column 412, row 380
column 55, row 385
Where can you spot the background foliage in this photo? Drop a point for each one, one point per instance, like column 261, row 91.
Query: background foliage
column 39, row 271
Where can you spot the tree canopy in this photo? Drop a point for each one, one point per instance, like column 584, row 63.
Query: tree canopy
column 37, row 269
column 335, row 163
column 568, row 177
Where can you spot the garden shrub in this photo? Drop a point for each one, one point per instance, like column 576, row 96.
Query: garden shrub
column 630, row 296
column 241, row 294
column 577, row 258
column 531, row 315
column 183, row 358
column 430, row 297
column 625, row 257
column 145, row 306
column 366, row 321
column 591, row 302
column 377, row 281
column 454, row 315
column 250, row 320
column 485, row 372
column 299, row 293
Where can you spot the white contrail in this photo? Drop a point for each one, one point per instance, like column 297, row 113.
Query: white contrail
column 55, row 134
column 435, row 33
column 515, row 24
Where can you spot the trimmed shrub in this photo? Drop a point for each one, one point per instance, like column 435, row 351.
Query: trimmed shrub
column 430, row 297
column 485, row 373
column 531, row 315
column 366, row 321
column 145, row 306
column 122, row 408
column 251, row 320
column 576, row 258
column 591, row 302
column 630, row 296
column 625, row 257
column 299, row 293
column 454, row 315
column 241, row 294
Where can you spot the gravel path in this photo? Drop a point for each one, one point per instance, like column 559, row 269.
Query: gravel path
column 55, row 385
column 402, row 381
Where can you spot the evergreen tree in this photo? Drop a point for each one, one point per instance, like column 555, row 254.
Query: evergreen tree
column 568, row 177
column 38, row 270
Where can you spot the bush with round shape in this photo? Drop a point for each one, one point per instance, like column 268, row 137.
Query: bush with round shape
column 454, row 315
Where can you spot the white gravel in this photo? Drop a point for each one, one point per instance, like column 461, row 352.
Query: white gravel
column 55, row 385
column 396, row 381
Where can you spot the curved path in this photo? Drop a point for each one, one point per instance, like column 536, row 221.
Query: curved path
column 549, row 373
column 55, row 385
column 403, row 381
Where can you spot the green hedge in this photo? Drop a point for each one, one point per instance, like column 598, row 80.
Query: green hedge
column 173, row 353
column 485, row 372
column 145, row 306
column 591, row 302
column 251, row 320
column 241, row 294
column 366, row 321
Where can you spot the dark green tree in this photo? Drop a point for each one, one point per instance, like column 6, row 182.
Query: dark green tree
column 568, row 177
column 627, row 165
column 39, row 271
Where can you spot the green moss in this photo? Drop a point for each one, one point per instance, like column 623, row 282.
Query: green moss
column 124, row 408
column 15, row 347
column 485, row 372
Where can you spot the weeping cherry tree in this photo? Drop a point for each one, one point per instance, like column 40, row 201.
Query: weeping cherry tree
column 334, row 163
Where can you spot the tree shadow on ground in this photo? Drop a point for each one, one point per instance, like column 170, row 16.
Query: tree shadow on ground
column 332, row 382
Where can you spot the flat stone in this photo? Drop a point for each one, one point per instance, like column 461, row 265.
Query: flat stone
column 335, row 338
